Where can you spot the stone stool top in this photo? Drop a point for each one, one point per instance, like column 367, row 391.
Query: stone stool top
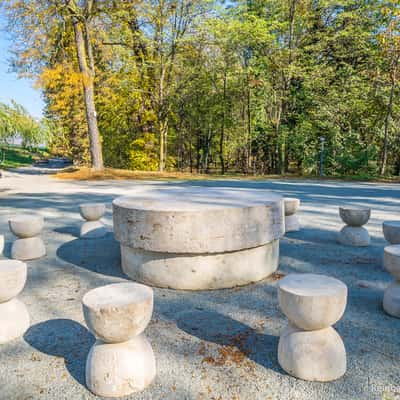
column 118, row 312
column 26, row 226
column 391, row 260
column 92, row 211
column 391, row 231
column 198, row 220
column 354, row 216
column 312, row 301
column 291, row 205
column 12, row 278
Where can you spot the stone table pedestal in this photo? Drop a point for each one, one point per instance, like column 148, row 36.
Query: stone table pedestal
column 391, row 297
column 309, row 348
column 121, row 361
column 29, row 245
column 199, row 238
column 93, row 228
column 14, row 317
column 354, row 234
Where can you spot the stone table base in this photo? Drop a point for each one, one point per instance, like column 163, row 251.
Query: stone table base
column 391, row 300
column 201, row 271
column 312, row 355
column 119, row 369
column 92, row 230
column 354, row 236
column 292, row 223
column 28, row 249
column 14, row 320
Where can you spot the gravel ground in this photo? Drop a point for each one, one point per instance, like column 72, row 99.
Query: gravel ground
column 217, row 345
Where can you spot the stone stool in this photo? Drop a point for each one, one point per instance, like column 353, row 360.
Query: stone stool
column 93, row 228
column 29, row 244
column 121, row 361
column 353, row 234
column 309, row 348
column 391, row 231
column 14, row 317
column 291, row 220
column 391, row 297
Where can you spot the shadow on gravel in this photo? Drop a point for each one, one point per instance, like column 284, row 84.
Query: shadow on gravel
column 63, row 338
column 214, row 327
column 68, row 230
column 102, row 255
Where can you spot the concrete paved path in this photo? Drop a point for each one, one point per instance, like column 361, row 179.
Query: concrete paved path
column 218, row 345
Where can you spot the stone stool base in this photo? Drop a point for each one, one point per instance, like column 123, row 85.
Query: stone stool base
column 391, row 300
column 93, row 230
column 119, row 369
column 312, row 355
column 354, row 236
column 292, row 223
column 28, row 249
column 14, row 320
column 201, row 271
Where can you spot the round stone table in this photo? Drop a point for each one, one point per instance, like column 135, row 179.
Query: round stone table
column 199, row 238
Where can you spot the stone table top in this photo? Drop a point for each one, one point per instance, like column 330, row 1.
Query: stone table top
column 197, row 199
column 198, row 219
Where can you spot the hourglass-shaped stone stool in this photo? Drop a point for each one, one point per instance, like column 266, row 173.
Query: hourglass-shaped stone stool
column 14, row 317
column 121, row 361
column 291, row 220
column 354, row 234
column 309, row 348
column 391, row 231
column 93, row 228
column 391, row 297
column 29, row 244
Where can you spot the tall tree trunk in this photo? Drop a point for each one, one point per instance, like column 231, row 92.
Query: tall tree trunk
column 222, row 137
column 206, row 150
column 162, row 120
column 387, row 121
column 248, row 106
column 283, row 150
column 88, row 89
column 162, row 148
column 190, row 151
column 198, row 155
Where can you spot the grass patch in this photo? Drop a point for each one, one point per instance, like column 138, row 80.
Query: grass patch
column 14, row 156
column 86, row 174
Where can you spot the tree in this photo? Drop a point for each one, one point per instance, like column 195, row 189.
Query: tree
column 81, row 21
column 389, row 39
column 245, row 86
column 40, row 29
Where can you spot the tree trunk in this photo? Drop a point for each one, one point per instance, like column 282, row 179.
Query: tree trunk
column 190, row 151
column 198, row 155
column 248, row 106
column 222, row 137
column 88, row 89
column 387, row 121
column 206, row 151
column 162, row 148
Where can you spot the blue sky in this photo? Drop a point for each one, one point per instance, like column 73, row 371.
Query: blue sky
column 20, row 90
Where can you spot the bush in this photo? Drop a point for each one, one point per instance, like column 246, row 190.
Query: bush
column 143, row 154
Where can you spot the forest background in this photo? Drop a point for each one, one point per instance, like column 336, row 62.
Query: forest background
column 247, row 86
